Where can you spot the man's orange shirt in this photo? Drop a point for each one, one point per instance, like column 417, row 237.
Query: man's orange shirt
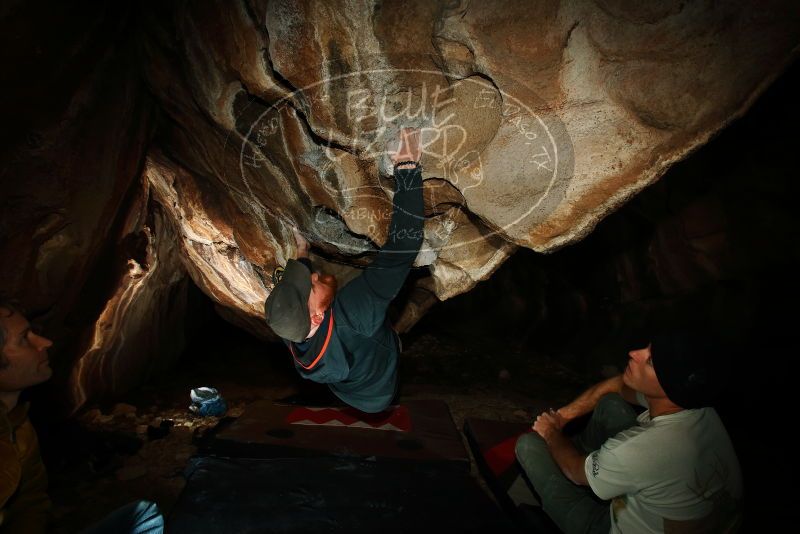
column 24, row 504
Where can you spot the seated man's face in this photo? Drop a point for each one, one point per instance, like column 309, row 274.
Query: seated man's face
column 24, row 355
column 640, row 375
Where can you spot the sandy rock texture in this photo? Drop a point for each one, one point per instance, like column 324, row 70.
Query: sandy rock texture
column 538, row 120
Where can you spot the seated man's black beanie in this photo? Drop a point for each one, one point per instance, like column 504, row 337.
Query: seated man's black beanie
column 689, row 366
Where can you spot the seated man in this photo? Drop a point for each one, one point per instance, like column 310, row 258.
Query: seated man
column 671, row 469
column 24, row 505
column 343, row 339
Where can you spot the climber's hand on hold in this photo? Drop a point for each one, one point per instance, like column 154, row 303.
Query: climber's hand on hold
column 302, row 243
column 408, row 148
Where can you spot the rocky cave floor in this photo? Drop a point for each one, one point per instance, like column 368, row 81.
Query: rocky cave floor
column 110, row 457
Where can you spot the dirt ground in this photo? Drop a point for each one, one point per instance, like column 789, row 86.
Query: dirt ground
column 113, row 458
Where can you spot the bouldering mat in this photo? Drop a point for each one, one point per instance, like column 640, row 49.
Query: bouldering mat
column 420, row 430
column 492, row 444
column 329, row 494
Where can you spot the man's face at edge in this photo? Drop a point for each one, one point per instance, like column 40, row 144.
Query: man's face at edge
column 24, row 352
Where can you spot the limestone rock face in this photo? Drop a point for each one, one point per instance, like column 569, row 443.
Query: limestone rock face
column 537, row 120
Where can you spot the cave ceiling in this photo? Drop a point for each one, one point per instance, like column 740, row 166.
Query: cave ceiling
column 248, row 117
column 537, row 119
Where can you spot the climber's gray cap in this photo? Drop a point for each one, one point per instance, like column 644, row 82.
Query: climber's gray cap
column 286, row 308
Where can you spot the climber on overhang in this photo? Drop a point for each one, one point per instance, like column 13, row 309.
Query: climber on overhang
column 343, row 339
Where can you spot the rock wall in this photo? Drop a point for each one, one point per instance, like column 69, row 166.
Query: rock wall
column 538, row 121
column 139, row 333
column 148, row 143
column 77, row 122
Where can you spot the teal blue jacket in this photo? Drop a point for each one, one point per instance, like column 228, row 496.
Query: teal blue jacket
column 355, row 350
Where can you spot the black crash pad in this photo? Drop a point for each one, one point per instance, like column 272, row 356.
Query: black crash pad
column 421, row 430
column 329, row 494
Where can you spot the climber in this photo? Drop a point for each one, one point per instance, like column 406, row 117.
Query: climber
column 343, row 339
column 24, row 504
column 672, row 468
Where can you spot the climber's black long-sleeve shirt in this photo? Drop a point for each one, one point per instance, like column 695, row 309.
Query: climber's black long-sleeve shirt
column 354, row 350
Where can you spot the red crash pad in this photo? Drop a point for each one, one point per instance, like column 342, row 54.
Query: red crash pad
column 492, row 444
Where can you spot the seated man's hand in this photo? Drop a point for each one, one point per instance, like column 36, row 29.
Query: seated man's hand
column 408, row 149
column 302, row 243
column 548, row 423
